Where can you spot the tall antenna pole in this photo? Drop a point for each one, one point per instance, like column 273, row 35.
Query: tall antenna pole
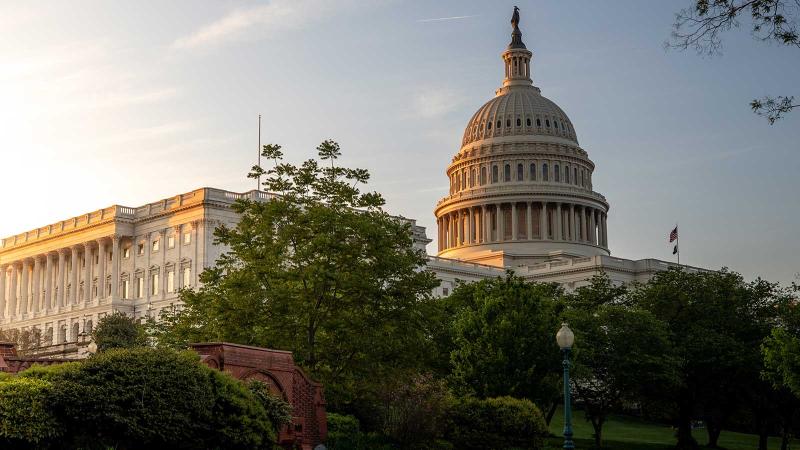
column 258, row 187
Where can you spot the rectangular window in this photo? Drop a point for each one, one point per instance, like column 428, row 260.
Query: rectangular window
column 170, row 241
column 140, row 287
column 187, row 238
column 154, row 284
column 171, row 281
column 126, row 252
column 187, row 276
column 156, row 245
column 126, row 293
column 140, row 249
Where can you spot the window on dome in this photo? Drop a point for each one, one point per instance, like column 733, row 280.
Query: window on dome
column 508, row 123
column 507, row 173
column 533, row 172
column 575, row 176
column 566, row 174
column 494, row 174
column 499, row 124
column 461, row 184
column 557, row 173
column 547, row 123
column 538, row 122
column 519, row 122
column 520, row 172
column 555, row 124
column 489, row 125
column 528, row 121
column 583, row 178
column 472, row 178
column 545, row 176
column 483, row 176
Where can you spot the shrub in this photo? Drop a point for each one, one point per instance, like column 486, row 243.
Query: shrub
column 344, row 433
column 24, row 415
column 119, row 331
column 278, row 410
column 413, row 411
column 496, row 423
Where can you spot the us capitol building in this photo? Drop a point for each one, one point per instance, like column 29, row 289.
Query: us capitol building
column 521, row 198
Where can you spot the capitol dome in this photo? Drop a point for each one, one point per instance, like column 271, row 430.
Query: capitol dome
column 520, row 185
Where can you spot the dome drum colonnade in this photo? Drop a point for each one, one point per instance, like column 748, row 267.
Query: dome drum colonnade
column 520, row 157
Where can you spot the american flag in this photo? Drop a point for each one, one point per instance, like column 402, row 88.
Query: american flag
column 674, row 234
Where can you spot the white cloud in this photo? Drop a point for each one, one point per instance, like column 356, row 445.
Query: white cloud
column 435, row 102
column 443, row 19
column 259, row 21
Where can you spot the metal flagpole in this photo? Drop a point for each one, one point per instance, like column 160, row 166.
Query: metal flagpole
column 258, row 187
column 678, row 242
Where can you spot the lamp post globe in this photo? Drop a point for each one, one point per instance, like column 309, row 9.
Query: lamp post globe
column 565, row 338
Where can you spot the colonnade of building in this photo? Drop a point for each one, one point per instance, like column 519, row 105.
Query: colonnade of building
column 541, row 220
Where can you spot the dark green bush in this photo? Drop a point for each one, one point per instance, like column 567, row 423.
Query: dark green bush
column 25, row 419
column 344, row 433
column 496, row 423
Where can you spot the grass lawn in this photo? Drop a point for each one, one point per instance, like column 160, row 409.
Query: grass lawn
column 626, row 433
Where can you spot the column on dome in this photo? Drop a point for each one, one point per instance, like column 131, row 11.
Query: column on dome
column 3, row 275
column 36, row 285
column 529, row 220
column 487, row 226
column 501, row 223
column 543, row 234
column 559, row 234
column 24, row 288
column 585, row 223
column 471, row 227
column 60, row 278
column 48, row 281
column 115, row 251
column 514, row 220
column 572, row 222
column 605, row 230
column 73, row 275
column 101, row 269
column 12, row 292
column 592, row 226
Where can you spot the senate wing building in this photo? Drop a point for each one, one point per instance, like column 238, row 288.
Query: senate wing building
column 521, row 198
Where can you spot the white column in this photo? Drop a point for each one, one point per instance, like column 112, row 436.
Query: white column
column 487, row 227
column 48, row 282
column 592, row 227
column 73, row 275
column 3, row 275
column 543, row 222
column 162, row 272
column 559, row 234
column 514, row 224
column 12, row 292
column 36, row 284
column 471, row 226
column 529, row 221
column 146, row 272
column 23, row 291
column 61, row 282
column 605, row 230
column 115, row 252
column 101, row 269
column 87, row 273
column 572, row 222
column 501, row 223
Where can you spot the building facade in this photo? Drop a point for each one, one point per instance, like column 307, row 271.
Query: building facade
column 521, row 198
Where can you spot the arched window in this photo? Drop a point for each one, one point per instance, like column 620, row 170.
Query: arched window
column 460, row 182
column 555, row 124
column 62, row 334
column 489, row 125
column 483, row 176
column 547, row 123
column 499, row 124
column 533, row 172
column 583, row 178
column 520, row 172
column 519, row 122
column 566, row 174
column 528, row 121
column 89, row 326
column 575, row 176
column 75, row 331
column 507, row 173
column 494, row 174
column 557, row 173
column 538, row 122
column 472, row 178
column 508, row 123
column 545, row 175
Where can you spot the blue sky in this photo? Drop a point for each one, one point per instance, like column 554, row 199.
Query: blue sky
column 124, row 103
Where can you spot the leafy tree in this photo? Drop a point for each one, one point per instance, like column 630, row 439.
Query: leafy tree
column 25, row 421
column 118, row 330
column 320, row 270
column 701, row 26
column 622, row 354
column 715, row 322
column 503, row 339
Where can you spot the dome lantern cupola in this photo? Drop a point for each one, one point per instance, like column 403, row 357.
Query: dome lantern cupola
column 517, row 57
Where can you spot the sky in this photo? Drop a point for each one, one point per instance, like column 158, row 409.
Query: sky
column 126, row 103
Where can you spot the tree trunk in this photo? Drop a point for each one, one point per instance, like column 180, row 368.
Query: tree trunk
column 551, row 412
column 597, row 424
column 762, row 440
column 685, row 439
column 785, row 440
column 713, row 431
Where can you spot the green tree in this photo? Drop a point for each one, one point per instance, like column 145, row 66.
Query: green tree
column 621, row 354
column 503, row 339
column 118, row 330
column 715, row 323
column 700, row 27
column 320, row 270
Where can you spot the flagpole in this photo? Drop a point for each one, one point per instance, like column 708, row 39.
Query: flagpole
column 258, row 186
column 678, row 242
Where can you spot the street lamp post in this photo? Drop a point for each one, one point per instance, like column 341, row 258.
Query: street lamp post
column 565, row 339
